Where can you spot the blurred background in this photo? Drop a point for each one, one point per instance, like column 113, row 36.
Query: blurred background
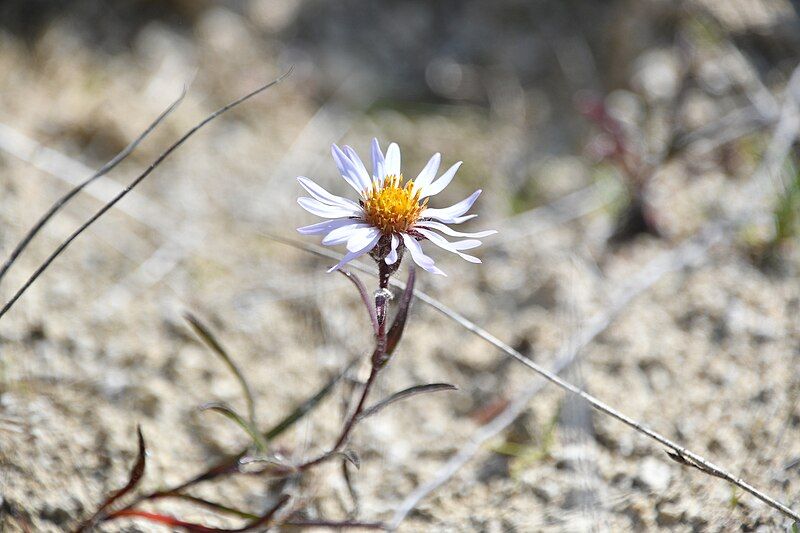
column 605, row 134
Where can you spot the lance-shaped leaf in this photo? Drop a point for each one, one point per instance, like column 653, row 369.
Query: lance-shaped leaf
column 304, row 408
column 228, row 412
column 199, row 528
column 211, row 341
column 220, row 508
column 133, row 480
column 398, row 325
column 230, row 464
column 351, row 457
column 403, row 394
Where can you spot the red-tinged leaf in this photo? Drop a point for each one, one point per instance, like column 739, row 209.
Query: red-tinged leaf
column 403, row 394
column 198, row 528
column 133, row 480
column 399, row 324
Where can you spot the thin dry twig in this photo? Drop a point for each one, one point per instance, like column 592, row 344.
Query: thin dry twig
column 690, row 254
column 105, row 169
column 106, row 207
column 694, row 250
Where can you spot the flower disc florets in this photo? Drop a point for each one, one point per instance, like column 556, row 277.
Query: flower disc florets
column 390, row 216
column 393, row 207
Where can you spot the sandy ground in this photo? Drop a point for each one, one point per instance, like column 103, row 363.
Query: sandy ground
column 98, row 345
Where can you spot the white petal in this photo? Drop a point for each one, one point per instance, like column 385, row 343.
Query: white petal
column 347, row 170
column 377, row 160
column 418, row 256
column 450, row 214
column 454, row 247
column 325, row 226
column 358, row 165
column 343, row 233
column 324, row 210
column 427, row 174
column 439, row 185
column 447, row 230
column 391, row 258
column 349, row 256
column 359, row 237
column 324, row 196
column 391, row 166
column 459, row 220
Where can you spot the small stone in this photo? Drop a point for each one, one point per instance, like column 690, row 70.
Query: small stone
column 54, row 514
column 547, row 491
column 654, row 475
column 669, row 514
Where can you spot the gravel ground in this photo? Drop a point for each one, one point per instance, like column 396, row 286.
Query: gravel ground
column 99, row 345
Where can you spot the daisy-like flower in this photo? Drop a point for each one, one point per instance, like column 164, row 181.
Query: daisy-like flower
column 390, row 215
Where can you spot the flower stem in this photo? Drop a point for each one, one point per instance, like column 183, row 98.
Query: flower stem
column 378, row 360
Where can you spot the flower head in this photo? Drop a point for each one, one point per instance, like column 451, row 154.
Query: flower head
column 391, row 214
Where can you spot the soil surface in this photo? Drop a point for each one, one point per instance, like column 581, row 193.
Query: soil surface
column 99, row 345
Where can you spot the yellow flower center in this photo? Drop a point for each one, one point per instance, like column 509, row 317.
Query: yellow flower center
column 392, row 208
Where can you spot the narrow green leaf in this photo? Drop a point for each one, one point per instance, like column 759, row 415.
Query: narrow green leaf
column 305, row 407
column 211, row 341
column 403, row 394
column 229, row 413
column 351, row 457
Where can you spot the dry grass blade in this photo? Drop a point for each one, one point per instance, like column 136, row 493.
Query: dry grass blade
column 211, row 341
column 105, row 169
column 403, row 394
column 103, row 210
column 133, row 480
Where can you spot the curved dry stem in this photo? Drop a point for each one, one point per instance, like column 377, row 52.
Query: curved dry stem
column 105, row 169
column 103, row 210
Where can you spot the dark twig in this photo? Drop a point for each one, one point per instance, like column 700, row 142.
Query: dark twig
column 63, row 246
column 105, row 169
column 379, row 357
